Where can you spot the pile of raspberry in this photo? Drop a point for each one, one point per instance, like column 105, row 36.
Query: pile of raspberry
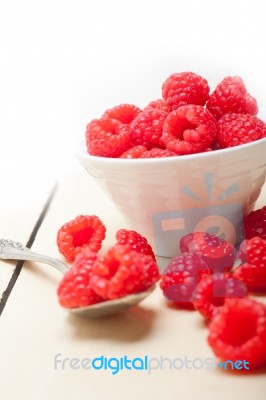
column 188, row 119
column 204, row 278
column 129, row 266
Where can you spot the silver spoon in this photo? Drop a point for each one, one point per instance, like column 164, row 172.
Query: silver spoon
column 11, row 250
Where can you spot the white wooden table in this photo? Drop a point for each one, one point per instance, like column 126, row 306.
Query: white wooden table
column 34, row 329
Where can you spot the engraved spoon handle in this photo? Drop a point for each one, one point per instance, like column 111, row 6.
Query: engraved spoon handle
column 11, row 250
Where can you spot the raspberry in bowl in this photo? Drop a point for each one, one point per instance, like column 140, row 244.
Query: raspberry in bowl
column 177, row 167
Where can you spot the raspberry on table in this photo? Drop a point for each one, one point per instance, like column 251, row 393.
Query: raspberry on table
column 74, row 289
column 231, row 96
column 236, row 129
column 147, row 128
column 106, row 137
column 155, row 152
column 255, row 224
column 213, row 290
column 134, row 152
column 253, row 276
column 253, row 251
column 122, row 271
column 238, row 332
column 252, row 272
column 135, row 240
column 189, row 129
column 85, row 231
column 124, row 113
column 218, row 254
column 185, row 88
column 180, row 278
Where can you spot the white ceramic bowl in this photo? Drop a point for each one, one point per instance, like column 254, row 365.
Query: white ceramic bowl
column 166, row 198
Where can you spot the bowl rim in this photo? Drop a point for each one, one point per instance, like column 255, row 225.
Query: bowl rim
column 81, row 152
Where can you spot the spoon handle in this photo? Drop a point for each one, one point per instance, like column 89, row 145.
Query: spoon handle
column 11, row 250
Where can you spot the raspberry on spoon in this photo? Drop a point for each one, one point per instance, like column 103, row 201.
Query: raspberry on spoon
column 85, row 231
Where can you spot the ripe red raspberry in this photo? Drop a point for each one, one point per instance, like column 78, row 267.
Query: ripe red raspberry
column 74, row 289
column 230, row 96
column 213, row 290
column 236, row 129
column 238, row 332
column 255, row 224
column 185, row 88
column 189, row 129
column 254, row 277
column 134, row 152
column 124, row 113
column 155, row 152
column 253, row 251
column 218, row 254
column 135, row 240
column 85, row 231
column 122, row 271
column 252, row 272
column 107, row 137
column 147, row 128
column 161, row 104
column 180, row 278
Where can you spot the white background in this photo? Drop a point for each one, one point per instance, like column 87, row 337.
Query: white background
column 64, row 62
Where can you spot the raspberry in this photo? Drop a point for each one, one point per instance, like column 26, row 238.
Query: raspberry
column 255, row 224
column 236, row 129
column 254, row 277
column 253, row 251
column 85, row 231
column 134, row 152
column 238, row 332
column 253, row 270
column 185, row 88
column 107, row 137
column 189, row 129
column 157, row 153
column 230, row 96
column 160, row 104
column 74, row 289
column 147, row 128
column 135, row 240
column 122, row 271
column 218, row 254
column 213, row 290
column 124, row 113
column 180, row 278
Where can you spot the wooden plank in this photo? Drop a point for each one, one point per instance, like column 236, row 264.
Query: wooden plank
column 19, row 264
column 22, row 209
column 34, row 330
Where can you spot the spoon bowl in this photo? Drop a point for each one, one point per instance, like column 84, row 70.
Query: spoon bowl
column 12, row 250
column 109, row 307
